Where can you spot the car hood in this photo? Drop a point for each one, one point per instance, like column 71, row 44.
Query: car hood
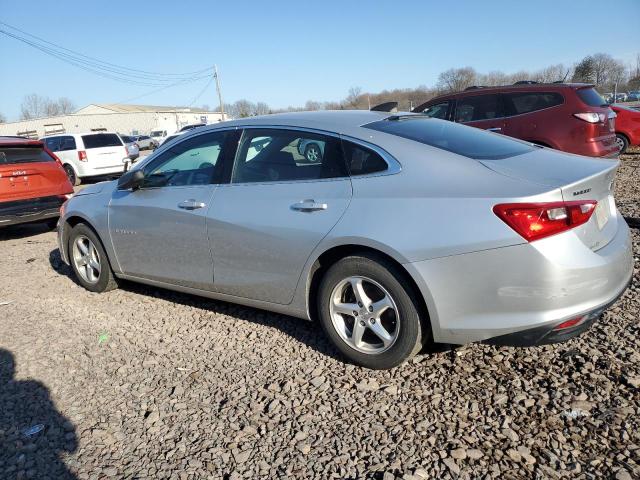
column 95, row 188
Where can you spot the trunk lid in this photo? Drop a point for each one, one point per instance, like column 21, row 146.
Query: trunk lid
column 27, row 171
column 104, row 150
column 578, row 178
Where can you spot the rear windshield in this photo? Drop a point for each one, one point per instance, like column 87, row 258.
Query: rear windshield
column 591, row 97
column 467, row 141
column 157, row 133
column 99, row 140
column 10, row 155
column 127, row 139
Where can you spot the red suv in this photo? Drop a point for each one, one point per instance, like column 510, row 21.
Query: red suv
column 627, row 126
column 33, row 184
column 569, row 117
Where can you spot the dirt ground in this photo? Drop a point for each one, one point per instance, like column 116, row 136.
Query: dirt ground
column 146, row 383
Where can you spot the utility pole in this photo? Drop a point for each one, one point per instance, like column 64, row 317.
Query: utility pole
column 215, row 74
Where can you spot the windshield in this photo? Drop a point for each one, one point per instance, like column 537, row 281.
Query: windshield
column 100, row 140
column 462, row 140
column 591, row 97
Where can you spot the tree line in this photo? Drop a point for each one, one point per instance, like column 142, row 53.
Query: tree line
column 600, row 69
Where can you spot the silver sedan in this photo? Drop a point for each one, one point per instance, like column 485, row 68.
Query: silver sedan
column 406, row 230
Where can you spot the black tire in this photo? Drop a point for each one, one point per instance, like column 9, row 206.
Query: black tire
column 413, row 331
column 313, row 150
column 623, row 142
column 71, row 175
column 105, row 280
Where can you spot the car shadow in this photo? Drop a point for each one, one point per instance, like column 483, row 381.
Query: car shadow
column 23, row 230
column 33, row 434
column 303, row 331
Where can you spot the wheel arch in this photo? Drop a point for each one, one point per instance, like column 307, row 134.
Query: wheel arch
column 73, row 220
column 335, row 253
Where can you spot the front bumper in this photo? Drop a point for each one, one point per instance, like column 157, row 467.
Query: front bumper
column 530, row 287
column 31, row 210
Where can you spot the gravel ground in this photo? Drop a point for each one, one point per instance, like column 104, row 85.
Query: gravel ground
column 147, row 383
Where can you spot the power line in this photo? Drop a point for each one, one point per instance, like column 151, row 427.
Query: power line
column 201, row 92
column 95, row 62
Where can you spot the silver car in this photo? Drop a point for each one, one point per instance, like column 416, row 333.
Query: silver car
column 409, row 230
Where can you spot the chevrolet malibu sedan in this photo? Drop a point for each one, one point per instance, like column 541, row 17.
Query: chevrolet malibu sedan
column 406, row 230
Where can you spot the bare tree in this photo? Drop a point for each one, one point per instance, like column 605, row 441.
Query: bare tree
column 261, row 108
column 456, row 79
column 353, row 96
column 33, row 106
column 66, row 106
column 311, row 105
column 3, row 119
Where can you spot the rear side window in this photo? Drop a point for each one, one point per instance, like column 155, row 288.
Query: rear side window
column 67, row 143
column 361, row 160
column 591, row 97
column 467, row 141
column 478, row 107
column 437, row 111
column 525, row 102
column 100, row 140
column 52, row 144
column 10, row 156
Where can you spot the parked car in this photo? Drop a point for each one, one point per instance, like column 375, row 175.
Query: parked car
column 132, row 147
column 158, row 136
column 627, row 126
column 619, row 97
column 89, row 154
column 409, row 230
column 33, row 184
column 633, row 96
column 145, row 142
column 569, row 117
column 171, row 137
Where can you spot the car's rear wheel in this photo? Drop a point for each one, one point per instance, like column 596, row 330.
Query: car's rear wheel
column 368, row 313
column 312, row 153
column 71, row 175
column 622, row 142
column 89, row 260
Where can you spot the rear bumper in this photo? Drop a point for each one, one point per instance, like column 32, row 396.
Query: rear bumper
column 31, row 210
column 528, row 288
column 87, row 171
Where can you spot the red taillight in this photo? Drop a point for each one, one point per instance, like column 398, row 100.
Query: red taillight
column 591, row 117
column 82, row 155
column 534, row 221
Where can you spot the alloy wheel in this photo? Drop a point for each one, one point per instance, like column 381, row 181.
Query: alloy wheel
column 364, row 315
column 86, row 259
column 313, row 154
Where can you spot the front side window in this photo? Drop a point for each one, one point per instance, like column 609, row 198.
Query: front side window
column 525, row 102
column 478, row 107
column 195, row 161
column 275, row 155
column 437, row 111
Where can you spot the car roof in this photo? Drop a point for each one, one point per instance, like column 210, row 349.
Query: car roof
column 336, row 121
column 15, row 140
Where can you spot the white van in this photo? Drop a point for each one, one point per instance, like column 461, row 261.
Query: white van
column 89, row 154
column 158, row 136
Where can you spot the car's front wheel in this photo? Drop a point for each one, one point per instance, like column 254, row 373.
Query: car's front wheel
column 368, row 313
column 89, row 260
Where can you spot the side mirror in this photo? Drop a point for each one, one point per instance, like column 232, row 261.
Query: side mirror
column 131, row 180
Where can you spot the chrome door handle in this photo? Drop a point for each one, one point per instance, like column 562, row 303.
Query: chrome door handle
column 190, row 204
column 495, row 129
column 308, row 206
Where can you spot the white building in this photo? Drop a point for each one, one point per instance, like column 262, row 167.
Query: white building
column 125, row 119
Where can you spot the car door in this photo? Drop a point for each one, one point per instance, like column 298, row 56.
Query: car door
column 159, row 231
column 278, row 206
column 481, row 111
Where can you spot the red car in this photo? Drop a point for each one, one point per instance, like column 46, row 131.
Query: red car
column 627, row 126
column 571, row 117
column 33, row 184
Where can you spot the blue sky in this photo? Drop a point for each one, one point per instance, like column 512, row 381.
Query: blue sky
column 286, row 52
